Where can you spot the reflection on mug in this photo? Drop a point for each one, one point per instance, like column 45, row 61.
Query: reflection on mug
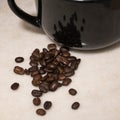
column 67, row 33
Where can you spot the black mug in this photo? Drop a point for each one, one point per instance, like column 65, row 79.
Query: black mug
column 78, row 24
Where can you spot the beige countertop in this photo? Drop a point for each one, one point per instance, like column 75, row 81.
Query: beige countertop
column 97, row 79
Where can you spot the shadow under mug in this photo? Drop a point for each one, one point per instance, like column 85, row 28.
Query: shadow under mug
column 78, row 24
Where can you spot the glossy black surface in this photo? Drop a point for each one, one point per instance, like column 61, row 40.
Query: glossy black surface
column 85, row 25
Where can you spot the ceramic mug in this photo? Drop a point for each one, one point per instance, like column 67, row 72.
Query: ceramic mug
column 79, row 24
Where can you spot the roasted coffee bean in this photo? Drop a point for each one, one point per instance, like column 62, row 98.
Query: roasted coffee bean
column 62, row 60
column 47, row 105
column 71, row 58
column 48, row 70
column 41, row 112
column 41, row 55
column 66, row 54
column 37, row 77
column 19, row 70
column 27, row 72
column 44, row 87
column 36, row 101
column 60, row 69
column 42, row 71
column 53, row 86
column 72, row 91
column 67, row 69
column 69, row 74
column 33, row 69
column 51, row 46
column 50, row 79
column 75, row 105
column 36, row 53
column 61, row 76
column 36, row 93
column 77, row 63
column 45, row 50
column 33, row 63
column 19, row 59
column 54, row 52
column 44, row 78
column 14, row 86
column 66, row 81
column 35, row 82
column 42, row 62
column 51, row 66
column 34, row 73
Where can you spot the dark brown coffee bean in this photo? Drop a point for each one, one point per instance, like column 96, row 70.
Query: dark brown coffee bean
column 37, row 77
column 35, row 82
column 14, row 86
column 50, row 79
column 61, row 76
column 54, row 52
column 44, row 87
column 41, row 55
column 60, row 69
column 40, row 112
column 33, row 63
column 27, row 72
column 67, row 69
column 33, row 69
column 47, row 105
column 66, row 54
column 36, row 101
column 66, row 81
column 42, row 62
column 71, row 58
column 77, row 63
column 44, row 78
column 48, row 70
column 42, row 71
column 51, row 46
column 51, row 66
column 64, row 49
column 19, row 59
column 62, row 60
column 53, row 86
column 69, row 74
column 36, row 53
column 75, row 105
column 19, row 70
column 34, row 73
column 45, row 50
column 72, row 91
column 36, row 93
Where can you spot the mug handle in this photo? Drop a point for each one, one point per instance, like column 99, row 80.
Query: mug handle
column 34, row 20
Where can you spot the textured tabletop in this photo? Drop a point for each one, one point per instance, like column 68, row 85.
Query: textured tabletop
column 97, row 79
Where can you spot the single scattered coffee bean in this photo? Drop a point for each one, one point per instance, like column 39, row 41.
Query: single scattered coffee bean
column 36, row 93
column 41, row 112
column 19, row 70
column 47, row 105
column 72, row 91
column 66, row 81
column 75, row 105
column 36, row 101
column 14, row 86
column 19, row 59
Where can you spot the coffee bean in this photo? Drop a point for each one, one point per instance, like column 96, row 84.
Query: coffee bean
column 35, row 82
column 75, row 105
column 66, row 81
column 54, row 85
column 36, row 93
column 51, row 46
column 41, row 112
column 62, row 60
column 14, row 86
column 19, row 70
column 47, row 105
column 41, row 70
column 45, row 50
column 34, row 73
column 27, row 72
column 19, row 59
column 51, row 66
column 42, row 62
column 69, row 74
column 37, row 77
column 71, row 58
column 72, row 91
column 66, row 54
column 44, row 87
column 61, row 76
column 36, row 101
column 33, row 69
column 67, row 69
column 36, row 53
column 33, row 63
column 64, row 49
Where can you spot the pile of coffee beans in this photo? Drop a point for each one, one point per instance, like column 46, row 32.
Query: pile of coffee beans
column 50, row 69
